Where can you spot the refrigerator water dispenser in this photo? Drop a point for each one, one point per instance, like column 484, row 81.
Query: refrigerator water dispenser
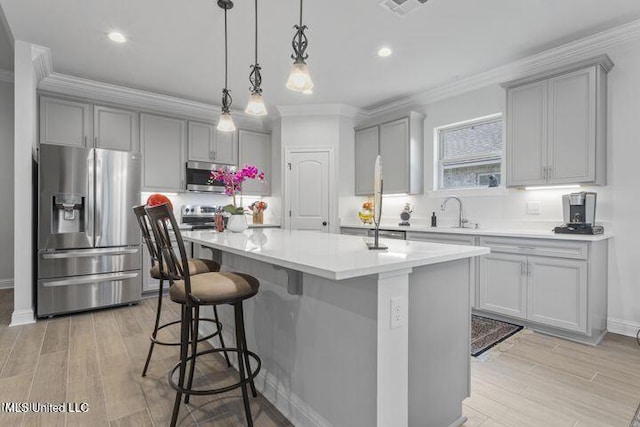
column 68, row 213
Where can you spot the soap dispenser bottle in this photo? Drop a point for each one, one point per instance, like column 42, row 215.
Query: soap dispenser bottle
column 434, row 220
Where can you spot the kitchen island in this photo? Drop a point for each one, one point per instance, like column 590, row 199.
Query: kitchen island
column 349, row 336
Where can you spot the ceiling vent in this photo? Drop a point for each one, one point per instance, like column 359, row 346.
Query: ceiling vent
column 401, row 7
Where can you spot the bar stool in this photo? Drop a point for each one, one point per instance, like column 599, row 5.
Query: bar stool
column 196, row 266
column 192, row 292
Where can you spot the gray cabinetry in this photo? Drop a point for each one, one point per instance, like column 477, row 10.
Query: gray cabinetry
column 201, row 147
column 226, row 148
column 163, row 146
column 502, row 287
column 559, row 287
column 254, row 148
column 65, row 122
column 399, row 142
column 556, row 126
column 115, row 129
column 366, row 150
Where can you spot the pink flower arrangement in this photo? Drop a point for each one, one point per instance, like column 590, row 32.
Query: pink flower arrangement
column 233, row 180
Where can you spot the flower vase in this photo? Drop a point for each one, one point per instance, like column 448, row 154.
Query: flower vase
column 258, row 217
column 237, row 223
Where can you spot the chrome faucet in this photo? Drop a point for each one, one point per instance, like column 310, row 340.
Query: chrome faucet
column 461, row 219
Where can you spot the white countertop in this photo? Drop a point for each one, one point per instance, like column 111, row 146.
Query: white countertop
column 184, row 226
column 507, row 232
column 332, row 256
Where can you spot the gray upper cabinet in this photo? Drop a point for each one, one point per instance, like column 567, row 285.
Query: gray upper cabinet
column 255, row 149
column 394, row 150
column 556, row 126
column 366, row 146
column 400, row 144
column 64, row 122
column 207, row 144
column 226, row 148
column 163, row 146
column 115, row 129
column 201, row 142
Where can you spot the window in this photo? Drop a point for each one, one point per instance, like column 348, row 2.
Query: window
column 470, row 154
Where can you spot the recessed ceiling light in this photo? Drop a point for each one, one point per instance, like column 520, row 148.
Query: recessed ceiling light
column 384, row 52
column 116, row 37
column 308, row 92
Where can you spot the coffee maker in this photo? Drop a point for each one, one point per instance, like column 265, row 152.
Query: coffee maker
column 579, row 210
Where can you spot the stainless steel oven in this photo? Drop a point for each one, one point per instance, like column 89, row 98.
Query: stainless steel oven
column 198, row 174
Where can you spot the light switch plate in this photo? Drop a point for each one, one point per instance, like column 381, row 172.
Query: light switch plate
column 534, row 207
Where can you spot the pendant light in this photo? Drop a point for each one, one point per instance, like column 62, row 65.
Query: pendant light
column 256, row 107
column 225, row 124
column 299, row 78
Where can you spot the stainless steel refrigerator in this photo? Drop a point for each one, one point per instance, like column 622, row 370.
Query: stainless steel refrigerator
column 88, row 239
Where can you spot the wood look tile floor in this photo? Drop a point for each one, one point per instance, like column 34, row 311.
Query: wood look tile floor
column 530, row 380
column 97, row 358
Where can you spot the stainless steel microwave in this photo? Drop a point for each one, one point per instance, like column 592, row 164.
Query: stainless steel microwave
column 198, row 174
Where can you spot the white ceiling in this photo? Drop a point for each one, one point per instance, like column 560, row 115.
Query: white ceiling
column 175, row 46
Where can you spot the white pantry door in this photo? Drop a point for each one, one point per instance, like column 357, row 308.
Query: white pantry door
column 308, row 190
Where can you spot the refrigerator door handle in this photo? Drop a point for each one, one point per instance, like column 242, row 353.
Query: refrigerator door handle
column 94, row 278
column 90, row 253
column 99, row 199
column 90, row 202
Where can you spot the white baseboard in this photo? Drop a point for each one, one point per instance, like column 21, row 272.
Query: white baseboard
column 6, row 283
column 22, row 317
column 622, row 327
column 289, row 404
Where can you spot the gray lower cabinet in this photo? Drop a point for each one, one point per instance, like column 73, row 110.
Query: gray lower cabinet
column 163, row 147
column 65, row 122
column 502, row 287
column 558, row 287
column 354, row 231
column 254, row 148
column 116, row 129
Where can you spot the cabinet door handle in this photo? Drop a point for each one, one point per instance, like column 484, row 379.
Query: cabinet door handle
column 529, row 269
column 549, row 170
column 85, row 141
column 95, row 141
column 523, row 268
column 214, row 154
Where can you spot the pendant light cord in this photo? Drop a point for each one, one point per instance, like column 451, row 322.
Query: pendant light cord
column 256, row 32
column 225, row 49
column 300, row 13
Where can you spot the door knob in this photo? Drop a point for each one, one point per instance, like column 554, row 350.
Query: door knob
column 324, row 223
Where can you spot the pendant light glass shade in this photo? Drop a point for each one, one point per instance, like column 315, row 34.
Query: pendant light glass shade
column 225, row 124
column 256, row 107
column 299, row 78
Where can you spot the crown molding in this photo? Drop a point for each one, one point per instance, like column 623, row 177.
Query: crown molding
column 564, row 55
column 63, row 84
column 6, row 28
column 42, row 61
column 6, row 76
column 318, row 110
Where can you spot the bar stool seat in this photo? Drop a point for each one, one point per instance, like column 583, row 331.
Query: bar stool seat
column 216, row 288
column 196, row 266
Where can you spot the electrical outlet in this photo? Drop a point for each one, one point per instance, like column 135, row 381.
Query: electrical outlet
column 534, row 207
column 398, row 312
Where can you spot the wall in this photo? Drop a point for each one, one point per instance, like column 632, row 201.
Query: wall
column 333, row 130
column 6, row 189
column 25, row 122
column 618, row 201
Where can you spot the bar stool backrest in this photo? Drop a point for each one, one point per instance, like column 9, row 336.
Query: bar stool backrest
column 145, row 229
column 164, row 226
